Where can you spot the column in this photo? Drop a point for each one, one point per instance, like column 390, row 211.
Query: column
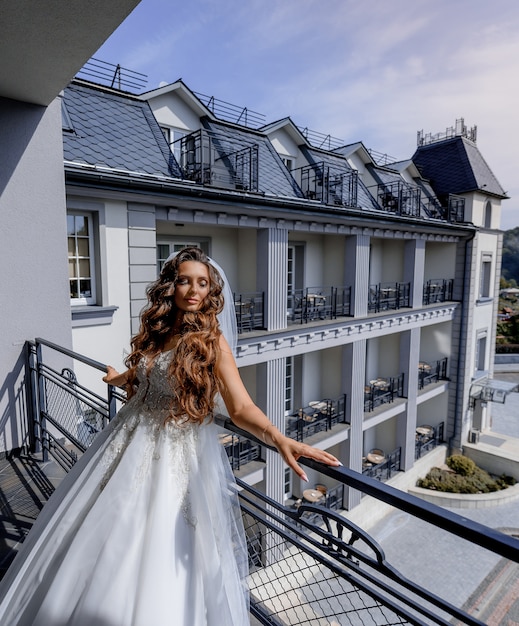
column 356, row 272
column 354, row 367
column 272, row 268
column 414, row 267
column 406, row 422
column 142, row 251
column 271, row 398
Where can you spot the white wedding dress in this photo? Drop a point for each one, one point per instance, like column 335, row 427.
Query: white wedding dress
column 144, row 531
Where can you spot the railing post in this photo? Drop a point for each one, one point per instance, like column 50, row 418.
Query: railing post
column 42, row 405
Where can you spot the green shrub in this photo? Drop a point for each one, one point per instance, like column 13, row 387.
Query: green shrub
column 465, row 477
column 461, row 465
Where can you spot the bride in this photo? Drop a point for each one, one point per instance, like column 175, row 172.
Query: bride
column 146, row 529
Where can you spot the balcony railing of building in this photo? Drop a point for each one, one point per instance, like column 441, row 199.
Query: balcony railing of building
column 318, row 416
column 382, row 391
column 208, row 159
column 427, row 438
column 307, row 564
column 320, row 181
column 438, row 290
column 400, row 198
column 318, row 303
column 240, row 450
column 381, row 466
column 388, row 296
column 249, row 311
column 429, row 373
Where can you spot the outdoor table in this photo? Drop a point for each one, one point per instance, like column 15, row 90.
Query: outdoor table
column 312, row 495
column 376, row 459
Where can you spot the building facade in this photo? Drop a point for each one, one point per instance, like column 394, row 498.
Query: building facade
column 365, row 293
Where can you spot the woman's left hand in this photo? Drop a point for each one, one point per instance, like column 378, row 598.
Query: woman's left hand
column 291, row 450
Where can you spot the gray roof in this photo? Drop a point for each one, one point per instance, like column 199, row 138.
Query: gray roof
column 456, row 166
column 115, row 131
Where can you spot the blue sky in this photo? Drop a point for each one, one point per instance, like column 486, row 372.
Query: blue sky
column 375, row 71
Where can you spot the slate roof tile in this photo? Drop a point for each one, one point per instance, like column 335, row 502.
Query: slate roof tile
column 114, row 131
column 456, row 166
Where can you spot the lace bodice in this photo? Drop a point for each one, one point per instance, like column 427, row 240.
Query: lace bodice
column 155, row 391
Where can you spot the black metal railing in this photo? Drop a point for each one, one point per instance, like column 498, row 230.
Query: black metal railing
column 427, row 438
column 318, row 416
column 310, row 563
column 429, row 373
column 66, row 415
column 318, row 303
column 240, row 450
column 381, row 391
column 328, row 185
column 438, row 290
column 455, row 209
column 388, row 296
column 210, row 159
column 381, row 466
column 249, row 311
column 400, row 198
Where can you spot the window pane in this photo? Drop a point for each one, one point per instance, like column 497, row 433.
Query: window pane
column 71, row 229
column 83, row 247
column 72, row 268
column 81, row 225
column 73, row 289
column 85, row 288
column 71, row 246
column 84, row 268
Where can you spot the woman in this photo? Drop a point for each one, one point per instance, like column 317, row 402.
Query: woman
column 146, row 528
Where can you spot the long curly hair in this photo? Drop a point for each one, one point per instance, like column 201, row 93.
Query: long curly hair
column 192, row 368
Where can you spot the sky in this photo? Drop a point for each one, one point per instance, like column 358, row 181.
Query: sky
column 375, row 71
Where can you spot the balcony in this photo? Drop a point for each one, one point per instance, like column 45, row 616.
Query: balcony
column 382, row 391
column 318, row 303
column 318, row 416
column 207, row 159
column 388, row 296
column 429, row 373
column 328, row 185
column 400, row 198
column 309, row 564
column 240, row 450
column 249, row 311
column 381, row 466
column 437, row 290
column 427, row 438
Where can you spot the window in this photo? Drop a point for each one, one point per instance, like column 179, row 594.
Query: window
column 488, row 215
column 485, row 283
column 289, row 384
column 289, row 163
column 173, row 137
column 81, row 258
column 165, row 248
column 481, row 349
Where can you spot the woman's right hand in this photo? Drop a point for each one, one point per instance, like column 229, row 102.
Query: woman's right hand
column 113, row 377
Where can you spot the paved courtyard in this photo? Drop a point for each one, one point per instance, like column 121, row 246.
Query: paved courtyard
column 485, row 585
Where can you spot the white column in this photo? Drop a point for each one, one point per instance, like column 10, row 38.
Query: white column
column 271, row 397
column 354, row 367
column 272, row 279
column 406, row 422
column 356, row 272
column 414, row 267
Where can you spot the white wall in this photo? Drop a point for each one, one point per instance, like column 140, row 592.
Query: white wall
column 33, row 248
